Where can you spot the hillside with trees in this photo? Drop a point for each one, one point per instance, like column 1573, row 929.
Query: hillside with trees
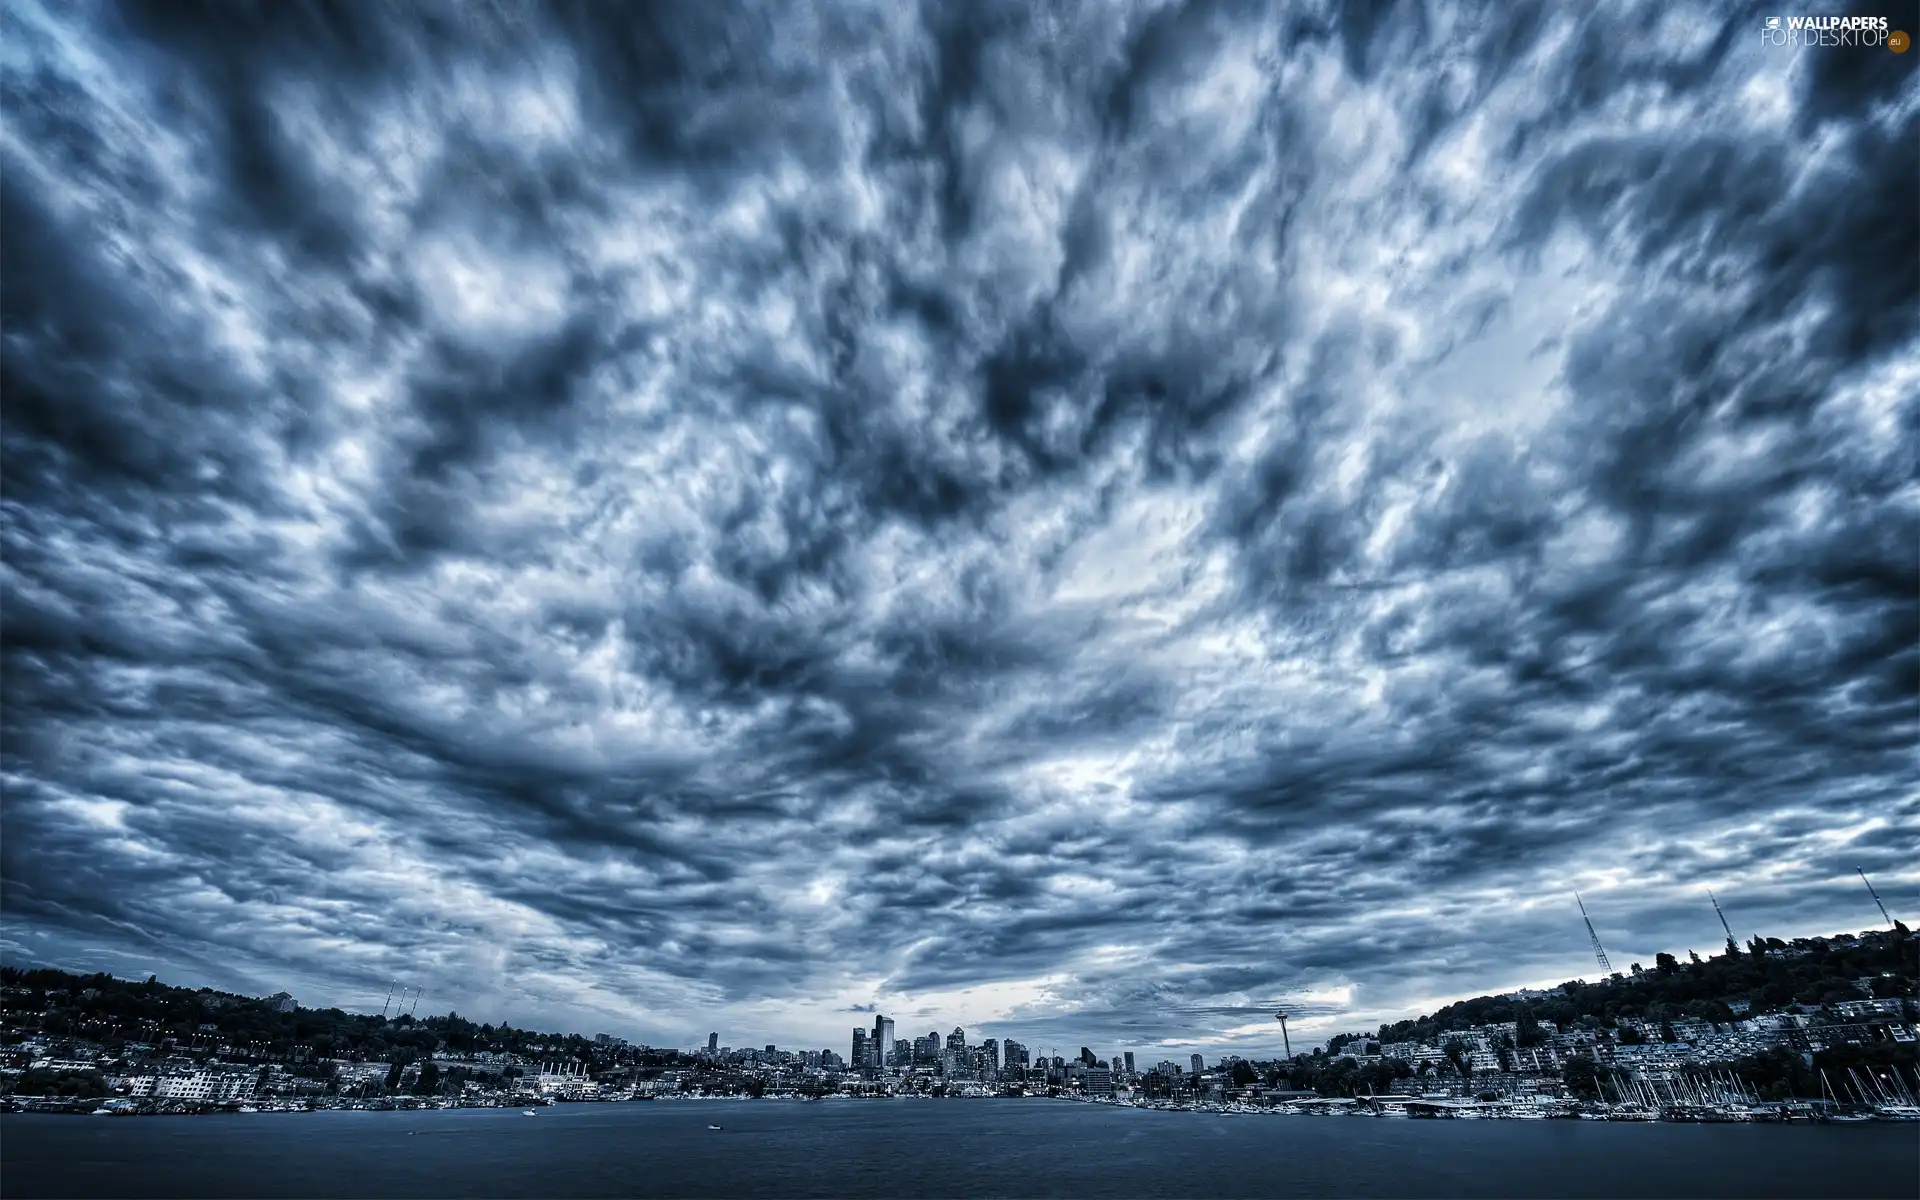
column 1807, row 977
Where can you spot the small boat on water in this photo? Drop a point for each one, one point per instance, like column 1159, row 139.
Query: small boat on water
column 528, row 1112
column 713, row 1127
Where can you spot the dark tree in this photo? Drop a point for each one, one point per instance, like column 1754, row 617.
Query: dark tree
column 1582, row 1077
column 1527, row 1031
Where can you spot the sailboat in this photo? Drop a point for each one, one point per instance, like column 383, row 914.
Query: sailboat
column 1833, row 1114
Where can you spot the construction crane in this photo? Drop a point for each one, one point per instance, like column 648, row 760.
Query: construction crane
column 389, row 1000
column 1599, row 951
column 1732, row 945
column 1876, row 897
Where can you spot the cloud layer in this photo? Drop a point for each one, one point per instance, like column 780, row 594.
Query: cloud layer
column 1086, row 521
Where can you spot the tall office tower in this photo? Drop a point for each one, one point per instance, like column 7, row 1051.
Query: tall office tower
column 1114, row 1065
column 1129, row 1058
column 991, row 1048
column 883, row 1041
column 859, row 1058
column 1013, row 1055
column 713, row 1043
column 957, row 1040
column 1199, row 1064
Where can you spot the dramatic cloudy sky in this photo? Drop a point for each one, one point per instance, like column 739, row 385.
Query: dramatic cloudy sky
column 1084, row 522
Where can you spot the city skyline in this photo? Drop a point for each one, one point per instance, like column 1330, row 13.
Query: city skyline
column 1096, row 523
column 1750, row 1013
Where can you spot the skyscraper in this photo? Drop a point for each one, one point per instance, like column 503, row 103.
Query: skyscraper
column 1013, row 1056
column 957, row 1040
column 882, row 1041
column 1199, row 1064
column 859, row 1057
column 992, row 1049
column 1129, row 1059
column 713, row 1043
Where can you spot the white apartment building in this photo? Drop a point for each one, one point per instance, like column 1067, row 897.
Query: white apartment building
column 212, row 1087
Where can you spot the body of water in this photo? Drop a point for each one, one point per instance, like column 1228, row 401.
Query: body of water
column 931, row 1148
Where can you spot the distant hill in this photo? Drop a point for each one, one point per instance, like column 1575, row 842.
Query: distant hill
column 1817, row 979
column 102, row 1008
column 1768, row 975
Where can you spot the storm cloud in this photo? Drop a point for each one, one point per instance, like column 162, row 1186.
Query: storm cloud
column 1086, row 522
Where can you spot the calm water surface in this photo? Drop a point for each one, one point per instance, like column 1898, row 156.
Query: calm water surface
column 932, row 1148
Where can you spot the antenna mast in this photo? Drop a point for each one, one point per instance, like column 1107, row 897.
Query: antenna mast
column 1599, row 951
column 1723, row 918
column 1874, row 894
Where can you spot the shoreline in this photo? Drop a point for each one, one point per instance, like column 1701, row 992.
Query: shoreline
column 1800, row 1112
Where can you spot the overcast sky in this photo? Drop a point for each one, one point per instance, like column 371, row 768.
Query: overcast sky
column 1085, row 523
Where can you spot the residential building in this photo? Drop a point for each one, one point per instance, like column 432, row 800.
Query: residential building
column 212, row 1087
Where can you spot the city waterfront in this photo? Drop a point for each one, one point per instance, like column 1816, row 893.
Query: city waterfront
column 902, row 1146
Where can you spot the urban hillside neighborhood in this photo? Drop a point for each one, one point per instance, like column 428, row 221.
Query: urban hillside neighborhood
column 1829, row 1020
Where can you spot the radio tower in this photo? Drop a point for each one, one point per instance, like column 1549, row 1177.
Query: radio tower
column 1599, row 951
column 1874, row 894
column 1731, row 944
